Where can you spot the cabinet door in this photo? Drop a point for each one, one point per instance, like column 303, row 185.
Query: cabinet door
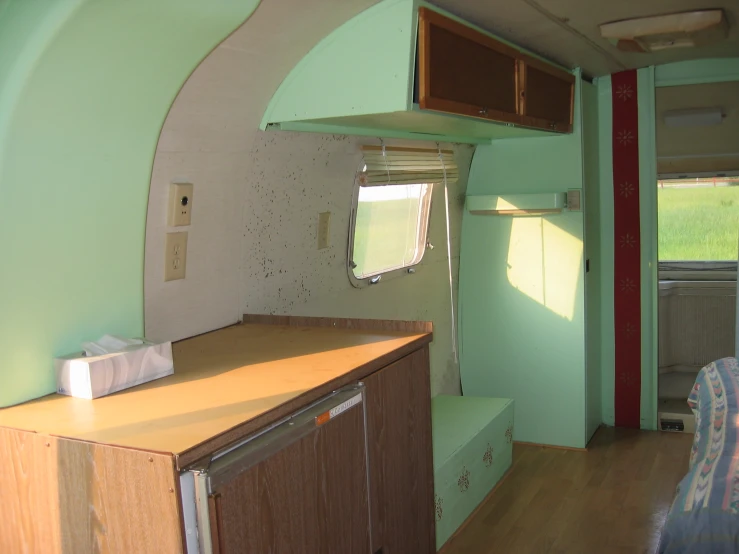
column 465, row 72
column 401, row 457
column 307, row 497
column 547, row 97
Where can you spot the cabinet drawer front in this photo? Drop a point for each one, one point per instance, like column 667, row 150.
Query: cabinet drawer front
column 303, row 489
column 463, row 71
column 548, row 96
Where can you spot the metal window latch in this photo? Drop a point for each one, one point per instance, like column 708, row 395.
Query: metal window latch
column 374, row 280
column 429, row 246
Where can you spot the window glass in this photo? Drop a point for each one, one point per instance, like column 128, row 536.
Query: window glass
column 698, row 219
column 390, row 227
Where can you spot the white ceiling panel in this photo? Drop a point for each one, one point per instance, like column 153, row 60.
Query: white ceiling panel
column 567, row 31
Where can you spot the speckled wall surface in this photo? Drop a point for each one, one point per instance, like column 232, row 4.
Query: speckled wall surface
column 295, row 177
column 252, row 242
column 207, row 139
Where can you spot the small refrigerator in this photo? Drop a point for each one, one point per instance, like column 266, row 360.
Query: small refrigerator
column 300, row 486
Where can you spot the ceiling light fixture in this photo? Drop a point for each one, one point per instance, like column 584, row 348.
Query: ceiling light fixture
column 693, row 117
column 660, row 32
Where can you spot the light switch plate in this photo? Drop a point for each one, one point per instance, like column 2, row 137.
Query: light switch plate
column 573, row 200
column 180, row 204
column 175, row 256
column 324, row 229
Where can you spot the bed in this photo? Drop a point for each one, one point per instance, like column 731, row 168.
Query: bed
column 704, row 517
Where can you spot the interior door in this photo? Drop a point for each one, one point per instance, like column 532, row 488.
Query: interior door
column 300, row 488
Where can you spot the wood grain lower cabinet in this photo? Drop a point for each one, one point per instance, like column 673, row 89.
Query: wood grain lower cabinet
column 308, row 496
column 401, row 457
column 342, row 472
column 60, row 496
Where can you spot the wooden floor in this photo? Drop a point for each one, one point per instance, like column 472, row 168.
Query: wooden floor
column 611, row 499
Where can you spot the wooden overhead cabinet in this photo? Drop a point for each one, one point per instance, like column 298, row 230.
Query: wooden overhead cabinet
column 465, row 72
column 547, row 95
column 442, row 79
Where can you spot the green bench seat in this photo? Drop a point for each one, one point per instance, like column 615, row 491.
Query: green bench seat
column 473, row 439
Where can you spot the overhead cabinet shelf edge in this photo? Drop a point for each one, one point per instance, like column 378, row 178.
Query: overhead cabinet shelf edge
column 364, row 79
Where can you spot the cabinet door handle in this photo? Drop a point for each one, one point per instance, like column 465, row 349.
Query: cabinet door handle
column 484, row 111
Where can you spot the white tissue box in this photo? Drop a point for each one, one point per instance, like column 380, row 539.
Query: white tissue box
column 95, row 376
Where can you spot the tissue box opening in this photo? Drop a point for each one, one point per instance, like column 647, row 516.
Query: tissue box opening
column 95, row 376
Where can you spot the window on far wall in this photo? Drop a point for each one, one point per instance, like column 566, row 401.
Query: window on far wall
column 390, row 227
column 698, row 225
column 392, row 204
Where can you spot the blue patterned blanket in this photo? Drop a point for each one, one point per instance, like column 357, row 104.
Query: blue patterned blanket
column 704, row 517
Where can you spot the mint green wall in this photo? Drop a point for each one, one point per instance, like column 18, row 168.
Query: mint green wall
column 605, row 203
column 84, row 89
column 648, row 221
column 593, row 285
column 522, row 302
column 694, row 72
column 334, row 78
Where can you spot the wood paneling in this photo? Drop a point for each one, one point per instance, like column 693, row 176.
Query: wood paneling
column 611, row 499
column 401, row 458
column 464, row 71
column 28, row 493
column 62, row 496
column 343, row 323
column 309, row 497
column 547, row 95
column 227, row 385
column 215, row 512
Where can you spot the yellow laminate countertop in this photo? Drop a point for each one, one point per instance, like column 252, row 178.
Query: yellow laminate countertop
column 222, row 381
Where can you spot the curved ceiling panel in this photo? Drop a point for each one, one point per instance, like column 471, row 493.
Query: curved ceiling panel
column 568, row 32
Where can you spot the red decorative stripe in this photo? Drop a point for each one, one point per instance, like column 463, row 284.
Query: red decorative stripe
column 627, row 293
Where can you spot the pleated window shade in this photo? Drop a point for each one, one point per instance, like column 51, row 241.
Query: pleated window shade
column 399, row 166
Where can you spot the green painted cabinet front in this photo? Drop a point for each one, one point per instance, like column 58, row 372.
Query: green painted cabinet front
column 522, row 300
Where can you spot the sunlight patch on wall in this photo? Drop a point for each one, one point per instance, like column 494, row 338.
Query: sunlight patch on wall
column 544, row 263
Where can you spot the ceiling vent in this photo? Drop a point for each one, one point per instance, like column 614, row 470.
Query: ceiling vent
column 659, row 32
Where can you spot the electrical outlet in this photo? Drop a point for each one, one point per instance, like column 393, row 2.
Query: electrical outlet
column 324, row 228
column 180, row 204
column 175, row 256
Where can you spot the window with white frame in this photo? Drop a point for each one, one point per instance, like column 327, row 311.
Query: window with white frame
column 698, row 218
column 390, row 227
column 392, row 206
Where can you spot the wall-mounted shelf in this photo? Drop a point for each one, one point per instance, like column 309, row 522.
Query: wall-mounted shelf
column 517, row 204
column 365, row 79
